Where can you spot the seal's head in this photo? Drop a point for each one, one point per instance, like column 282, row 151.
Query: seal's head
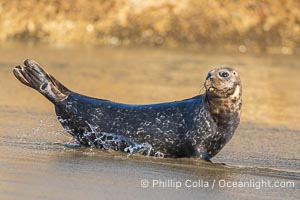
column 222, row 82
column 222, row 101
column 224, row 91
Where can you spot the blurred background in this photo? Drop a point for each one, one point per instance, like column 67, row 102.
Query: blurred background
column 160, row 50
column 243, row 25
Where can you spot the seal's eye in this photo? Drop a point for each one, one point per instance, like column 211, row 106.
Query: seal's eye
column 224, row 74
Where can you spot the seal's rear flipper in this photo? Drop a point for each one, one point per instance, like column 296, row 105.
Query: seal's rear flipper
column 35, row 77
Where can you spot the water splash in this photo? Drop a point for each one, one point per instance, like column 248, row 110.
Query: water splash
column 116, row 142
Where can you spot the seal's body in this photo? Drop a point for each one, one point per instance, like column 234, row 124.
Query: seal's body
column 199, row 126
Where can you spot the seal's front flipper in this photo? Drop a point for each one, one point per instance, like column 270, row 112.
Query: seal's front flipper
column 202, row 154
column 35, row 77
column 205, row 157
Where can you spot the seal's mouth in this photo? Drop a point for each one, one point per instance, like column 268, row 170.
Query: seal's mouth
column 220, row 92
column 211, row 86
column 220, row 83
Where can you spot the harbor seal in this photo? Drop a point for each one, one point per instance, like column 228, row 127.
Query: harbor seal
column 196, row 127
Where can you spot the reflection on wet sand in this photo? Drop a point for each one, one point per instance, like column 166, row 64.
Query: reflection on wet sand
column 72, row 173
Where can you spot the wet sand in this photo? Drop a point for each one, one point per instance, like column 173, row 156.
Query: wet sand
column 35, row 164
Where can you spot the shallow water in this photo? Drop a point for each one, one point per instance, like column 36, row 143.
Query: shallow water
column 35, row 164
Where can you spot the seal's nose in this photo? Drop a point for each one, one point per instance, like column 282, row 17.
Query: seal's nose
column 208, row 76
